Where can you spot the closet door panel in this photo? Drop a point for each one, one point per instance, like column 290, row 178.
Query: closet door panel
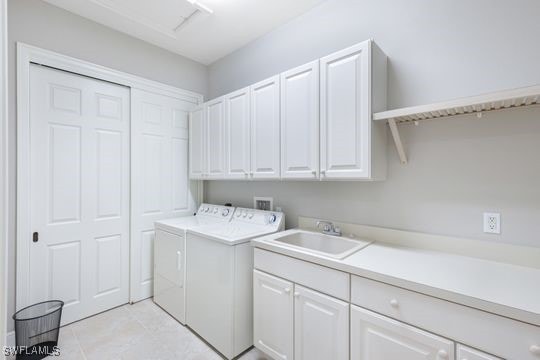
column 161, row 187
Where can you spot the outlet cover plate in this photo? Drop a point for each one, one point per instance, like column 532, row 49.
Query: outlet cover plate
column 492, row 223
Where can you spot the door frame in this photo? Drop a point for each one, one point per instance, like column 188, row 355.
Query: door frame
column 27, row 55
column 3, row 169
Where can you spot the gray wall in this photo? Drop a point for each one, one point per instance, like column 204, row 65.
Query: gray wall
column 459, row 167
column 37, row 23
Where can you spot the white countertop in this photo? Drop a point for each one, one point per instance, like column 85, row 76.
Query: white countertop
column 504, row 289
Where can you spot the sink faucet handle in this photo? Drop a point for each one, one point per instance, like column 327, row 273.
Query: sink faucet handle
column 327, row 224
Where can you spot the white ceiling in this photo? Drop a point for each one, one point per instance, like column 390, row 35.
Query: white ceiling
column 204, row 37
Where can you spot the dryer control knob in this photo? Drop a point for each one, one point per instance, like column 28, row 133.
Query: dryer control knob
column 225, row 212
column 272, row 218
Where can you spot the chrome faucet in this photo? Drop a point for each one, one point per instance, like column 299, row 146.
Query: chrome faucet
column 329, row 228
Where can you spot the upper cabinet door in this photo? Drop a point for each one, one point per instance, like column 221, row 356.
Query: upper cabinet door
column 346, row 113
column 265, row 129
column 197, row 143
column 300, row 122
column 237, row 138
column 215, row 112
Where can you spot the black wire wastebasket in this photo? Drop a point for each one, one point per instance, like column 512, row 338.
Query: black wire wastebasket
column 36, row 330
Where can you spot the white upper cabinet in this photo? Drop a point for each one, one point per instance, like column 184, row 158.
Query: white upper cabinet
column 311, row 122
column 237, row 137
column 352, row 147
column 215, row 113
column 300, row 122
column 265, row 135
column 197, row 143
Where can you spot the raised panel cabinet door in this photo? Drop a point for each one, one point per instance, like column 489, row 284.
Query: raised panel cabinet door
column 346, row 113
column 273, row 308
column 466, row 353
column 237, row 139
column 376, row 337
column 265, row 134
column 300, row 122
column 197, row 143
column 159, row 176
column 321, row 326
column 215, row 114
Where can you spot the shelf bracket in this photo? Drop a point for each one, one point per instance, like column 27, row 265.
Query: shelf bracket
column 397, row 141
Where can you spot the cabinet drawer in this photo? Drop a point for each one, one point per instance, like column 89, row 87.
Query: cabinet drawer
column 376, row 337
column 466, row 353
column 491, row 333
column 323, row 279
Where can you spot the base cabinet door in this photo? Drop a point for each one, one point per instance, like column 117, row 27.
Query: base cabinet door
column 376, row 337
column 273, row 315
column 321, row 326
column 466, row 353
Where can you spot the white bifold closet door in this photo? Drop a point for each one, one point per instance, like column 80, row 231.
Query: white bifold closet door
column 79, row 197
column 160, row 185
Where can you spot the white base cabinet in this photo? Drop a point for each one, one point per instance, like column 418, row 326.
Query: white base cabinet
column 466, row 353
column 321, row 326
column 273, row 315
column 320, row 323
column 376, row 337
column 384, row 322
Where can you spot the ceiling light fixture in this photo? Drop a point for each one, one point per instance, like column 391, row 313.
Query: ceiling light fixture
column 200, row 9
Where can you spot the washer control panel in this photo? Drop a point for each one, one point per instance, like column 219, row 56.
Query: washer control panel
column 258, row 217
column 215, row 211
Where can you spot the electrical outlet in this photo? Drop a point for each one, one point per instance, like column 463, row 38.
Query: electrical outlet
column 492, row 223
column 263, row 203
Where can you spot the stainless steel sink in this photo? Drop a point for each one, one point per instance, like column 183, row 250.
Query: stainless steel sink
column 332, row 246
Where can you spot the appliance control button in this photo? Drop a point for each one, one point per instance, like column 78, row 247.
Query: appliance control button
column 272, row 218
column 215, row 210
column 251, row 215
column 225, row 212
column 244, row 214
column 238, row 214
column 207, row 209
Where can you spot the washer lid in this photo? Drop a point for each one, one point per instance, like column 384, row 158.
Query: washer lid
column 232, row 234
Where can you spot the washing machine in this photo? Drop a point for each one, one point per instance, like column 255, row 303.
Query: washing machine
column 170, row 255
column 219, row 305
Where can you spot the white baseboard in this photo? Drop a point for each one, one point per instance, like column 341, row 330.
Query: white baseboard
column 10, row 339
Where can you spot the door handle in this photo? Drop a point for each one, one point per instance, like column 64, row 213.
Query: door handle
column 35, row 237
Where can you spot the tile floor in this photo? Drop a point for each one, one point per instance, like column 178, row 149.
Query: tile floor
column 140, row 331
